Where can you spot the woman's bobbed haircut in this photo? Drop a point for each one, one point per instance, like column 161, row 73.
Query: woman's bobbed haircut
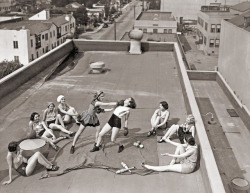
column 190, row 140
column 164, row 104
column 12, row 146
column 32, row 116
column 132, row 103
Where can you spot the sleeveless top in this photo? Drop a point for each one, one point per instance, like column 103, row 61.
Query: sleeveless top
column 186, row 127
column 194, row 156
column 120, row 110
column 161, row 114
column 38, row 127
column 50, row 116
column 65, row 107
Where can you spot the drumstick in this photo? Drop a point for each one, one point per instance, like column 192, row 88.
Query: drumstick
column 124, row 170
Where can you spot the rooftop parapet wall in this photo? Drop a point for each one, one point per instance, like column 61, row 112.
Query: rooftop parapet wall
column 11, row 82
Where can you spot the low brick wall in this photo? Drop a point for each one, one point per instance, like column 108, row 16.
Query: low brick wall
column 11, row 82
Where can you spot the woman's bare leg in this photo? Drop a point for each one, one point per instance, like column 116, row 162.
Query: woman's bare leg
column 179, row 150
column 78, row 133
column 114, row 134
column 104, row 130
column 168, row 168
column 33, row 160
column 172, row 130
column 59, row 120
column 54, row 126
column 98, row 129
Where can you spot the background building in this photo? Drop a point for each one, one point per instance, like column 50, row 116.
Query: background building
column 27, row 40
column 156, row 22
column 6, row 5
column 234, row 56
column 209, row 27
column 240, row 8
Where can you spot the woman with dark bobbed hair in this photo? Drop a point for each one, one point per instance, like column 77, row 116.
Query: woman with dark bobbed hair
column 159, row 119
column 187, row 154
column 24, row 166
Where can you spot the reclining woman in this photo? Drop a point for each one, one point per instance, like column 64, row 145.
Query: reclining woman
column 24, row 166
column 186, row 153
column 114, row 123
column 160, row 118
column 188, row 128
column 42, row 131
column 54, row 120
column 90, row 118
column 66, row 111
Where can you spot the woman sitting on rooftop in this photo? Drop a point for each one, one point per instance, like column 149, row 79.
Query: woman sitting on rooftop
column 159, row 119
column 22, row 165
column 188, row 128
column 187, row 154
column 42, row 131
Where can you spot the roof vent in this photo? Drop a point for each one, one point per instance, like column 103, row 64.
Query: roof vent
column 246, row 21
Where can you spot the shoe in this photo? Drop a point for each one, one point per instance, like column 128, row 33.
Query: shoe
column 72, row 149
column 121, row 148
column 55, row 147
column 154, row 132
column 53, row 168
column 150, row 133
column 160, row 141
column 96, row 148
column 143, row 165
column 72, row 134
column 125, row 131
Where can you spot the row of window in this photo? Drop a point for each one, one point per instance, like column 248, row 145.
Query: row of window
column 215, row 28
column 4, row 8
column 165, row 31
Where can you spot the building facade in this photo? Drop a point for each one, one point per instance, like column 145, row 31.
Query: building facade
column 6, row 5
column 156, row 22
column 28, row 40
column 234, row 56
column 209, row 27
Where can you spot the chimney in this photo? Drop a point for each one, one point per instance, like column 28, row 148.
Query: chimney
column 47, row 14
column 67, row 17
column 246, row 20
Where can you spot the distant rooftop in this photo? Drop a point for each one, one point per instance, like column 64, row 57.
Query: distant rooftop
column 240, row 21
column 215, row 8
column 244, row 6
column 156, row 15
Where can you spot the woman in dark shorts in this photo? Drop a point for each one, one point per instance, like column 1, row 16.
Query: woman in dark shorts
column 114, row 123
column 187, row 154
column 24, row 166
column 89, row 117
column 53, row 119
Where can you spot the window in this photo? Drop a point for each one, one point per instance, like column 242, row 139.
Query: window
column 54, row 33
column 43, row 50
column 31, row 43
column 165, row 31
column 50, row 34
column 15, row 44
column 37, row 55
column 16, row 58
column 206, row 26
column 155, row 31
column 218, row 28
column 65, row 28
column 213, row 28
column 217, row 43
column 144, row 30
column 211, row 44
column 32, row 57
column 205, row 40
column 46, row 36
column 155, row 24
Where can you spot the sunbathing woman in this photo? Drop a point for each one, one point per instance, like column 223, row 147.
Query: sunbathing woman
column 187, row 154
column 159, row 118
column 66, row 111
column 114, row 123
column 54, row 120
column 89, row 117
column 42, row 131
column 22, row 165
column 188, row 128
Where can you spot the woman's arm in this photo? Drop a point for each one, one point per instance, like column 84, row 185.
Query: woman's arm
column 108, row 110
column 164, row 121
column 174, row 143
column 192, row 129
column 99, row 103
column 9, row 161
column 183, row 155
column 66, row 112
column 45, row 115
column 126, row 119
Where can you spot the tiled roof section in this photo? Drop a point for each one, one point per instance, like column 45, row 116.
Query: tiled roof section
column 58, row 21
column 35, row 27
column 160, row 16
column 244, row 6
column 239, row 21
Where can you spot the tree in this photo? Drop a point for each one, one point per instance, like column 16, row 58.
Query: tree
column 81, row 16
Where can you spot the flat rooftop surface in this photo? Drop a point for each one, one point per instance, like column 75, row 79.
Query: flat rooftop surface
column 149, row 78
column 156, row 16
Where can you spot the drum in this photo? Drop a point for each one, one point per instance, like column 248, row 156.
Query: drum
column 31, row 146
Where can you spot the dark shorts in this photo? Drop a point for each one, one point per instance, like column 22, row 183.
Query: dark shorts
column 22, row 169
column 41, row 133
column 115, row 121
column 49, row 122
